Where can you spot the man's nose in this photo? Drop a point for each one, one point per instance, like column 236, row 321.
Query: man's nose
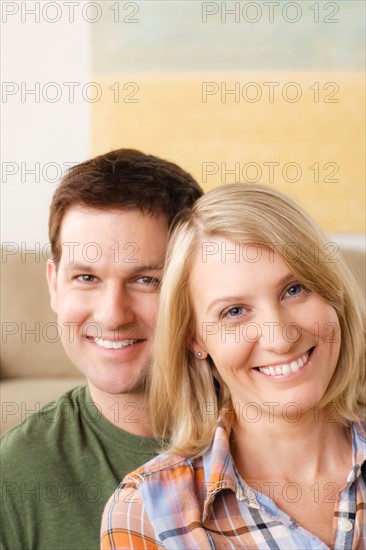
column 114, row 310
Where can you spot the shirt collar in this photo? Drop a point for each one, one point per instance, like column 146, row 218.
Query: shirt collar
column 359, row 451
column 220, row 472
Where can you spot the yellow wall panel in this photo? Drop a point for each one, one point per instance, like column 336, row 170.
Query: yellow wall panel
column 304, row 134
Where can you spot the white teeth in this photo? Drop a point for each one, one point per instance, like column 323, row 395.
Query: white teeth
column 286, row 368
column 295, row 366
column 108, row 344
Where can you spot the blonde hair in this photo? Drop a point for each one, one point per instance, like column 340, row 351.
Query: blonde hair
column 186, row 394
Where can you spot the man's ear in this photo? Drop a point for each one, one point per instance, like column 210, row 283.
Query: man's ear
column 51, row 274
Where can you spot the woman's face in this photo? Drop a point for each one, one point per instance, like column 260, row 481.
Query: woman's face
column 275, row 343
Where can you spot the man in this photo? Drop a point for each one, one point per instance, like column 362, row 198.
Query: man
column 109, row 224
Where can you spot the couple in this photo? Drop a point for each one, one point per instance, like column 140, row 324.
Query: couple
column 257, row 380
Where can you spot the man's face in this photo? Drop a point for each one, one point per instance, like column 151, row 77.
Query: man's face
column 105, row 293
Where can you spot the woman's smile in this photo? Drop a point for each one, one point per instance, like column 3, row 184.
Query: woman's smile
column 264, row 344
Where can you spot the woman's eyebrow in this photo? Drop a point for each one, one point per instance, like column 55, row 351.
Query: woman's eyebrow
column 241, row 297
column 224, row 300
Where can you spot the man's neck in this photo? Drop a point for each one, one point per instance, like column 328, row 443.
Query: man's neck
column 127, row 411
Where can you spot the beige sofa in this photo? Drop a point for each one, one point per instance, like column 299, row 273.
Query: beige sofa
column 34, row 367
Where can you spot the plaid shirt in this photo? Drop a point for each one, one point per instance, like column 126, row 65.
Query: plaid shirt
column 180, row 503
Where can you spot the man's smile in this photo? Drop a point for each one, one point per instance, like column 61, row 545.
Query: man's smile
column 111, row 344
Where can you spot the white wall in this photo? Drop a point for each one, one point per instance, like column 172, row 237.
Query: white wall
column 34, row 128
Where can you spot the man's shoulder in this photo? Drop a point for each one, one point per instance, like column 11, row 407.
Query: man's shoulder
column 36, row 431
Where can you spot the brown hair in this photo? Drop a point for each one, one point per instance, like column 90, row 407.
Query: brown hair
column 124, row 179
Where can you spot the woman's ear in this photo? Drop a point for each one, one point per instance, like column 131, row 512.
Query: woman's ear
column 196, row 348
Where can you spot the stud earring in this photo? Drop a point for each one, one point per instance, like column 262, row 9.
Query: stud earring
column 199, row 354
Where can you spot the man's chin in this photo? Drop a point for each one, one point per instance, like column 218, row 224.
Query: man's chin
column 136, row 388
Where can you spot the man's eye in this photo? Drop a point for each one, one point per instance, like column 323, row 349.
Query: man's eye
column 146, row 280
column 86, row 278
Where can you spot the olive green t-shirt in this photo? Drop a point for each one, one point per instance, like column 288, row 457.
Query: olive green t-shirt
column 58, row 469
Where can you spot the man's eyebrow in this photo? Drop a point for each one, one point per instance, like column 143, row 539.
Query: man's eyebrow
column 90, row 268
column 76, row 266
column 146, row 267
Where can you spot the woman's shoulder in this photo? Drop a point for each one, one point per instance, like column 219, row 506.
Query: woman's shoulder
column 164, row 475
column 164, row 465
column 135, row 514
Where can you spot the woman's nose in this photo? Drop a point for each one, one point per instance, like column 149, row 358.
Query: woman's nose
column 278, row 332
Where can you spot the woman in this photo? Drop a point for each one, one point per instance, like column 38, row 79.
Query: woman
column 259, row 385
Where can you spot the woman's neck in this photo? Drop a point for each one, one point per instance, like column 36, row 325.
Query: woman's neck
column 275, row 448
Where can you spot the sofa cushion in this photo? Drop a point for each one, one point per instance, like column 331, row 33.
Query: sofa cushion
column 23, row 396
column 356, row 261
column 30, row 338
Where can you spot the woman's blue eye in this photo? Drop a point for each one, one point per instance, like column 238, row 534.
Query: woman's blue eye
column 295, row 290
column 234, row 311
